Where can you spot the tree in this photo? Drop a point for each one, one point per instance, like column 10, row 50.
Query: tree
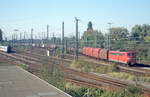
column 1, row 35
column 118, row 33
column 116, row 38
column 147, row 38
column 90, row 26
column 135, row 32
column 139, row 32
column 145, row 30
column 92, row 37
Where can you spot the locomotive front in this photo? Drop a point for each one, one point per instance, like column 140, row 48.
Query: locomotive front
column 131, row 58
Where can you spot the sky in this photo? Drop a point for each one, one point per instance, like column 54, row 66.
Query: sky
column 36, row 14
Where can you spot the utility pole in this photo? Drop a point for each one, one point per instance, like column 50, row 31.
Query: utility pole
column 62, row 39
column 47, row 32
column 12, row 40
column 79, row 39
column 1, row 35
column 31, row 36
column 24, row 38
column 66, row 46
column 76, row 54
column 13, row 36
column 42, row 36
column 53, row 38
column 109, row 42
column 109, row 37
column 20, row 37
column 96, row 39
column 16, row 36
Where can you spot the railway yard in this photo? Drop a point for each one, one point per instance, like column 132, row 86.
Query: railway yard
column 34, row 58
column 64, row 48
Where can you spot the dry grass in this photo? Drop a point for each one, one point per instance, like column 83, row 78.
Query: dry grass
column 71, row 86
column 129, row 77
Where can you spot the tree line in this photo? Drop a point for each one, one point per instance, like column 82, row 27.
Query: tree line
column 119, row 38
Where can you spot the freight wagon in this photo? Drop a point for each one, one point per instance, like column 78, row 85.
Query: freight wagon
column 53, row 46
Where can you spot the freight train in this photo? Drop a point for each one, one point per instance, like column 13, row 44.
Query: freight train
column 117, row 56
column 6, row 49
column 124, row 57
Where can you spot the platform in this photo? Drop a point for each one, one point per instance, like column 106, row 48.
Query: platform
column 16, row 82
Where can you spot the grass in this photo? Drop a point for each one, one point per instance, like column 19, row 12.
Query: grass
column 78, row 91
column 135, row 90
column 112, row 71
column 56, row 78
column 113, row 68
column 23, row 66
column 71, row 86
column 23, row 48
column 89, row 67
column 128, row 77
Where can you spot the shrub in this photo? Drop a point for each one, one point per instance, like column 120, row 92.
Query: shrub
column 25, row 67
column 134, row 90
column 74, row 64
column 114, row 68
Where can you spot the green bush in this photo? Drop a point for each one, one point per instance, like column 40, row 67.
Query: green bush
column 114, row 68
column 59, row 50
column 134, row 90
column 25, row 67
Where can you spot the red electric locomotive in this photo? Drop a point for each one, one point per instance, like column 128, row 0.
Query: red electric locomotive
column 122, row 57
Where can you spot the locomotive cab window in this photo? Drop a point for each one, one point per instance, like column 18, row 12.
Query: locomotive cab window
column 129, row 54
column 133, row 54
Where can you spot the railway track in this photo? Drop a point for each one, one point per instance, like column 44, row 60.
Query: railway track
column 133, row 70
column 112, row 83
column 69, row 57
column 16, row 60
column 83, row 82
column 46, row 58
column 79, row 73
column 94, row 77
